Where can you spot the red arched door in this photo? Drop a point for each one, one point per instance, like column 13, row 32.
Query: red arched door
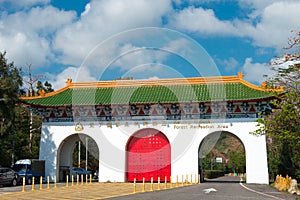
column 148, row 155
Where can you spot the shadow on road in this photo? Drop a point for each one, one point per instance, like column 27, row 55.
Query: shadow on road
column 225, row 179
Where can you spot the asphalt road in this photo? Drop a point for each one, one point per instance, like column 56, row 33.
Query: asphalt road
column 228, row 188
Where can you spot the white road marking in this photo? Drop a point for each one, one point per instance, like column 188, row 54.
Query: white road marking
column 261, row 193
column 207, row 191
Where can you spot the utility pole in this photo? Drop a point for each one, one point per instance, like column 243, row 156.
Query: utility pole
column 31, row 80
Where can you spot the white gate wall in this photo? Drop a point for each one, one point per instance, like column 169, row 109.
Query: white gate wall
column 185, row 139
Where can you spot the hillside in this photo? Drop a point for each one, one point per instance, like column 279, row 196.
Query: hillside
column 227, row 147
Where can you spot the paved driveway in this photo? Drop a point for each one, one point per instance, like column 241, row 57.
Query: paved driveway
column 227, row 188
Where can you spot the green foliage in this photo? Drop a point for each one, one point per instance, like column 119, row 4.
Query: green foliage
column 14, row 119
column 282, row 126
column 10, row 83
column 47, row 87
column 229, row 148
column 213, row 174
column 237, row 161
column 93, row 155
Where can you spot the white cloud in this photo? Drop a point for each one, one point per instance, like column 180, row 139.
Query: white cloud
column 103, row 19
column 203, row 21
column 42, row 35
column 86, row 10
column 76, row 74
column 258, row 6
column 26, row 36
column 254, row 72
column 152, row 71
column 133, row 56
column 275, row 21
column 181, row 46
column 21, row 4
column 230, row 64
column 24, row 49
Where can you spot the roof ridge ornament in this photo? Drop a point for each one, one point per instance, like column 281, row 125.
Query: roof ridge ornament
column 68, row 81
column 240, row 75
column 42, row 92
column 264, row 85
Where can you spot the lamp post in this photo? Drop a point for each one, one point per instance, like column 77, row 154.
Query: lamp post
column 86, row 152
column 79, row 153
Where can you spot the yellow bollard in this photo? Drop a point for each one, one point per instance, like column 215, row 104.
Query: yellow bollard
column 158, row 183
column 165, row 185
column 54, row 181
column 277, row 180
column 280, row 182
column 86, row 179
column 32, row 186
column 143, row 188
column 48, row 182
column 72, row 180
column 41, row 183
column 195, row 179
column 187, row 180
column 151, row 184
column 90, row 178
column 199, row 179
column 23, row 185
column 171, row 184
column 287, row 186
column 191, row 179
column 77, row 181
column 177, row 184
column 182, row 180
column 67, row 181
column 134, row 185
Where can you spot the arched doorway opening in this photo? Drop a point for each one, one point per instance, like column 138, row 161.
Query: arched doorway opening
column 221, row 153
column 148, row 154
column 68, row 156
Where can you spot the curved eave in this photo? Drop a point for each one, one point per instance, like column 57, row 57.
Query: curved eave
column 150, row 103
column 122, row 84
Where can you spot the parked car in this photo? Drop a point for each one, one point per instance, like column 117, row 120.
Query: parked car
column 30, row 168
column 9, row 177
column 80, row 171
column 96, row 175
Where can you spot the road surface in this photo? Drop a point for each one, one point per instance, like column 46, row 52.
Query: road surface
column 228, row 188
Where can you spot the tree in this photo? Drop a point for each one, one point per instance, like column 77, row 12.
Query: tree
column 282, row 126
column 10, row 84
column 237, row 161
column 46, row 88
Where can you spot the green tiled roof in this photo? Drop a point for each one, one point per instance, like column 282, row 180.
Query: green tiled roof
column 151, row 94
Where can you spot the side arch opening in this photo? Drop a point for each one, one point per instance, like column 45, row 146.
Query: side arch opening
column 221, row 153
column 68, row 156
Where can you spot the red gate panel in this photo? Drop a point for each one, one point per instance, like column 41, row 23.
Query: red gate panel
column 148, row 155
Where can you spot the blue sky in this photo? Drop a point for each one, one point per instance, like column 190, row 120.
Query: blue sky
column 91, row 40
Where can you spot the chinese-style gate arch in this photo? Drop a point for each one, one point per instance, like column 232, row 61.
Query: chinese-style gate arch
column 186, row 110
column 148, row 155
